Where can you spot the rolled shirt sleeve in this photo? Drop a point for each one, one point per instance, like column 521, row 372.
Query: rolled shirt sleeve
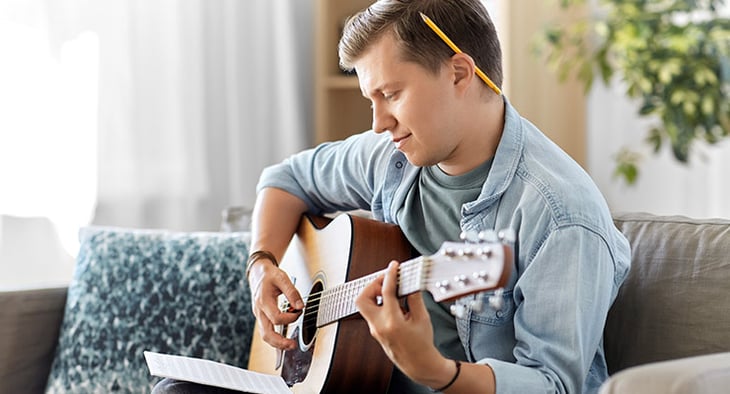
column 334, row 176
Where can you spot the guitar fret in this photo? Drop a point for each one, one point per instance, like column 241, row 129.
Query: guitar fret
column 412, row 277
column 339, row 301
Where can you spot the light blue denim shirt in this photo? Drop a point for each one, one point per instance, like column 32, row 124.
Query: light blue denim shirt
column 570, row 258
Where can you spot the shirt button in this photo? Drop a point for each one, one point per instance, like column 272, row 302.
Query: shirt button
column 399, row 164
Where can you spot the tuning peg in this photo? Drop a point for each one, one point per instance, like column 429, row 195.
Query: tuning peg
column 469, row 236
column 488, row 236
column 465, row 252
column 485, row 252
column 480, row 276
column 458, row 310
column 496, row 301
column 443, row 286
column 507, row 236
column 449, row 252
column 462, row 280
column 477, row 305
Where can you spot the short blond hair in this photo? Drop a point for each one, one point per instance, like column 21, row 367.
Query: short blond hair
column 466, row 22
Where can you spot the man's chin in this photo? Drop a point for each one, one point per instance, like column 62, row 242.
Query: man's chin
column 418, row 162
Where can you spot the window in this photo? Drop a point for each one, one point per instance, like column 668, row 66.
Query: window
column 47, row 150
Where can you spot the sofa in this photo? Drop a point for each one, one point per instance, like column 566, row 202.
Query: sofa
column 667, row 332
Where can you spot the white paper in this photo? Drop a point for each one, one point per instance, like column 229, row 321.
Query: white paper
column 212, row 373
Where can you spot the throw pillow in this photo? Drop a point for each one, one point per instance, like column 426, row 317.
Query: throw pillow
column 137, row 290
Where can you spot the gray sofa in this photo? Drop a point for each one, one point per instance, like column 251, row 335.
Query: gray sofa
column 675, row 304
column 668, row 332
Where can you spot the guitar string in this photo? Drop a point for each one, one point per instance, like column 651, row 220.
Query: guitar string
column 409, row 273
column 419, row 264
column 406, row 272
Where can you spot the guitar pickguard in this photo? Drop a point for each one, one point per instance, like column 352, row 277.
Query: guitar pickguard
column 296, row 363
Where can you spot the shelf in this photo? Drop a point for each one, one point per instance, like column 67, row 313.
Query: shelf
column 342, row 82
column 340, row 109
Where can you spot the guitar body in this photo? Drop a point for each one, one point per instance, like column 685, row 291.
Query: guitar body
column 341, row 356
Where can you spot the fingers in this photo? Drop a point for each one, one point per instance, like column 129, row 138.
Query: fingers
column 287, row 288
column 390, row 288
column 264, row 269
column 273, row 338
column 417, row 308
column 378, row 299
column 368, row 300
column 265, row 297
column 270, row 282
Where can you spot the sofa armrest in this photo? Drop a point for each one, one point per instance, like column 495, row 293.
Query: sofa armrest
column 31, row 320
column 698, row 375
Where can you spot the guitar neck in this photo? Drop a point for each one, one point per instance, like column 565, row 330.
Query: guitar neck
column 338, row 301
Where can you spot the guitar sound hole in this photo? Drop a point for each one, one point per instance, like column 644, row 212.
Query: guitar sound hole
column 309, row 321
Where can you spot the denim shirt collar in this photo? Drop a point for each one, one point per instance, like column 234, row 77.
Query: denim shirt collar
column 501, row 174
column 504, row 166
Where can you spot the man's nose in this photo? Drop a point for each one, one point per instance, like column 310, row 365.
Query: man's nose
column 383, row 120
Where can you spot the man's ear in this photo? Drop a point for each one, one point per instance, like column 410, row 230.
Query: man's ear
column 463, row 69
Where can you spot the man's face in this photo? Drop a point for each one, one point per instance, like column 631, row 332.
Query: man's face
column 415, row 106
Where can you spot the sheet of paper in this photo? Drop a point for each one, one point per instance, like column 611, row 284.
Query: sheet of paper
column 212, row 373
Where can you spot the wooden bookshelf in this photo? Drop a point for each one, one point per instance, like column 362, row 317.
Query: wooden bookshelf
column 340, row 109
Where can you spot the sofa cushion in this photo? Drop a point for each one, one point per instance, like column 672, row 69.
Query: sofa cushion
column 697, row 375
column 137, row 290
column 675, row 300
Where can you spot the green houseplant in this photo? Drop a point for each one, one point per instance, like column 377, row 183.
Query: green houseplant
column 673, row 56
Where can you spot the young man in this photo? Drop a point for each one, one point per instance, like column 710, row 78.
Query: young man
column 445, row 154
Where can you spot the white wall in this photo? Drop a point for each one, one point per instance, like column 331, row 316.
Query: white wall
column 700, row 189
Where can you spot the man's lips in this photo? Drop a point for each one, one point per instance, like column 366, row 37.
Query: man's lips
column 399, row 141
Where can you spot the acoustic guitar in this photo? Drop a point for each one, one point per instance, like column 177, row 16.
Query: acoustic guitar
column 330, row 262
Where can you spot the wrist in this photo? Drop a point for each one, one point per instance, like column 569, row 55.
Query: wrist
column 435, row 374
column 452, row 374
column 260, row 255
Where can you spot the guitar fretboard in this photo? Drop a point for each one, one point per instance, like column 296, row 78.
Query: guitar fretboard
column 338, row 301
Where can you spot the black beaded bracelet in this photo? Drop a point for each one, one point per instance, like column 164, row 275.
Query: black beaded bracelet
column 456, row 375
column 255, row 256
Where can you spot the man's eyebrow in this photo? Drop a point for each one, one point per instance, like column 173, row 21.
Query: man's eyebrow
column 379, row 89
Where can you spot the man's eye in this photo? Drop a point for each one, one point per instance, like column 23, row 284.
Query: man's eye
column 388, row 96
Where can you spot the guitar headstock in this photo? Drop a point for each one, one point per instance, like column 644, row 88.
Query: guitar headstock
column 460, row 268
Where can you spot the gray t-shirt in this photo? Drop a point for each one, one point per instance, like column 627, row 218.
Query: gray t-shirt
column 432, row 210
column 430, row 216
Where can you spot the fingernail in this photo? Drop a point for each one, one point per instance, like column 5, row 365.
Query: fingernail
column 292, row 309
column 299, row 304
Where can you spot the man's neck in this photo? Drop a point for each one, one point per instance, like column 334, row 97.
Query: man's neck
column 484, row 126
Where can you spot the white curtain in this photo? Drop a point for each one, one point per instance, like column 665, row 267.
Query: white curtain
column 196, row 97
column 141, row 113
column 665, row 186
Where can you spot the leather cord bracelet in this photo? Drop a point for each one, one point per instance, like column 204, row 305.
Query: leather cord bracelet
column 456, row 375
column 256, row 256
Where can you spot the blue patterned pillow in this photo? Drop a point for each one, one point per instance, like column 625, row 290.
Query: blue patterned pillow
column 137, row 290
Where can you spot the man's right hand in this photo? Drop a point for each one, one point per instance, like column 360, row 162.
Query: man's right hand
column 274, row 222
column 267, row 282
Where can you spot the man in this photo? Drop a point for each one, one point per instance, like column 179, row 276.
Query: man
column 445, row 154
